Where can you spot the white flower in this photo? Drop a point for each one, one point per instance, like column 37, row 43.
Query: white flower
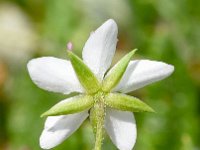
column 58, row 75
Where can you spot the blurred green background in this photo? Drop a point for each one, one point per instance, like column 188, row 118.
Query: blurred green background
column 165, row 30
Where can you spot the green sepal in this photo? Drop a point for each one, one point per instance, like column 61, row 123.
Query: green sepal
column 69, row 106
column 84, row 74
column 126, row 103
column 115, row 74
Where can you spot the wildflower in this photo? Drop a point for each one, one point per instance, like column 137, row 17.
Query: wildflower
column 100, row 94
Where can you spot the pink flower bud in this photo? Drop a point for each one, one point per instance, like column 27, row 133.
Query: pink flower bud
column 69, row 46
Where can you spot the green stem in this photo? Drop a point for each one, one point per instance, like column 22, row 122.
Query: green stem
column 99, row 126
column 97, row 118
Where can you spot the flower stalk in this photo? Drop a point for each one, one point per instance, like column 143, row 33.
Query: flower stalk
column 97, row 117
column 100, row 124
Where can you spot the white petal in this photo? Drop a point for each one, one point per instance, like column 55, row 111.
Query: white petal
column 143, row 72
column 58, row 128
column 54, row 75
column 100, row 48
column 121, row 127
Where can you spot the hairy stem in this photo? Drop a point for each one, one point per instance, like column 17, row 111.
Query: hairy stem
column 99, row 127
column 97, row 117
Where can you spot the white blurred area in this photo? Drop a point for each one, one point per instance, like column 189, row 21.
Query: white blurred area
column 101, row 10
column 17, row 36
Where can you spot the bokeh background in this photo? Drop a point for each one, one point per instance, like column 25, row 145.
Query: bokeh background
column 165, row 30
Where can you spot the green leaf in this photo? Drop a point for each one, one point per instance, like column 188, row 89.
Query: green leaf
column 126, row 103
column 84, row 74
column 71, row 105
column 115, row 74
